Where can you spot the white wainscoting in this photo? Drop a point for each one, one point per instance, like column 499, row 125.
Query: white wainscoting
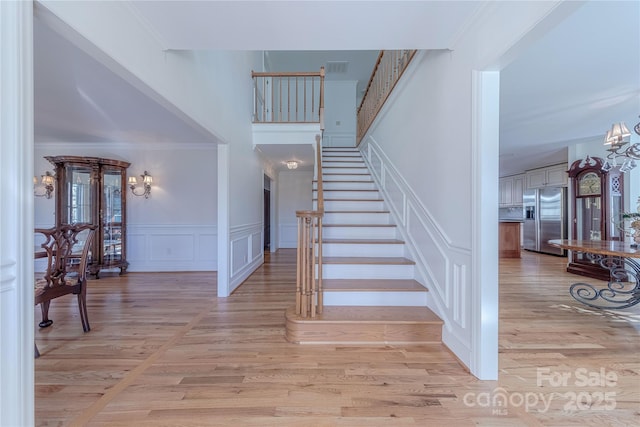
column 170, row 247
column 441, row 266
column 288, row 235
column 246, row 243
column 338, row 139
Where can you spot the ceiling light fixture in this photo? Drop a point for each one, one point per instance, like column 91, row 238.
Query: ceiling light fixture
column 617, row 137
column 292, row 164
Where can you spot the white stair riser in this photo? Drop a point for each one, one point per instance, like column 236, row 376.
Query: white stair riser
column 356, row 218
column 343, row 170
column 359, row 233
column 347, row 177
column 340, row 150
column 368, row 271
column 352, row 205
column 342, row 163
column 363, row 185
column 364, row 250
column 334, row 194
column 375, row 299
column 341, row 153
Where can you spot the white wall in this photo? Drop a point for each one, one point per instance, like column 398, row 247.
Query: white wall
column 246, row 169
column 340, row 116
column 294, row 194
column 211, row 90
column 437, row 164
column 175, row 228
column 191, row 84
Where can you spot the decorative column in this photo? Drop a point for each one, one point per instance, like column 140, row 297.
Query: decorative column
column 16, row 214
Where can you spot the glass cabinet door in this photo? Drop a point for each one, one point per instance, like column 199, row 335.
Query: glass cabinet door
column 112, row 180
column 589, row 218
column 79, row 198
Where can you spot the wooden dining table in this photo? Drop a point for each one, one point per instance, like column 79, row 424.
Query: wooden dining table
column 622, row 261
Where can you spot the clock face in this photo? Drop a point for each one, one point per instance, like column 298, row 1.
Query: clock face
column 589, row 184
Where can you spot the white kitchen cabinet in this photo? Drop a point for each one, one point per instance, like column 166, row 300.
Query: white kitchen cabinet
column 511, row 188
column 550, row 176
column 518, row 189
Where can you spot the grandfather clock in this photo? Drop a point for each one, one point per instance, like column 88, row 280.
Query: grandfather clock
column 597, row 202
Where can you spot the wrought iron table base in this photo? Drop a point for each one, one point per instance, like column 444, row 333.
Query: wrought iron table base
column 623, row 290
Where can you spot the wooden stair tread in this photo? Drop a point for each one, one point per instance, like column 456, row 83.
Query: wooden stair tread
column 361, row 212
column 347, row 174
column 324, row 181
column 368, row 260
column 343, row 167
column 372, row 285
column 326, row 190
column 358, row 225
column 370, row 315
column 365, row 241
column 350, row 200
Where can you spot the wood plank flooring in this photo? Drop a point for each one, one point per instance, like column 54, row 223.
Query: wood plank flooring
column 165, row 351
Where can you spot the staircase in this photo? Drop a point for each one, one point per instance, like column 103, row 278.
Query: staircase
column 370, row 296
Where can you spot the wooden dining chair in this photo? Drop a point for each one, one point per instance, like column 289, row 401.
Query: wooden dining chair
column 67, row 250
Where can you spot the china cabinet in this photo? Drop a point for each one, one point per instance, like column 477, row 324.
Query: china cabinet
column 597, row 204
column 93, row 190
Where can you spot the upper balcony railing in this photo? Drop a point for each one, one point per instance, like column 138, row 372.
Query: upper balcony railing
column 386, row 73
column 288, row 97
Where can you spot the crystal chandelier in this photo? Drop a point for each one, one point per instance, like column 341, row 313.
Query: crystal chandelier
column 616, row 139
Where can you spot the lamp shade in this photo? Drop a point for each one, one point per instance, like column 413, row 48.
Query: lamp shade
column 292, row 164
column 47, row 179
column 619, row 131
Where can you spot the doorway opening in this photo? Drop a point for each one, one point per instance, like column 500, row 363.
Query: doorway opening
column 267, row 214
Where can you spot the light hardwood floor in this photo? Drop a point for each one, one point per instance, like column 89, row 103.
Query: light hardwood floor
column 164, row 351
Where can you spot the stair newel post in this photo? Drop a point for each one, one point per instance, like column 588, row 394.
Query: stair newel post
column 313, row 291
column 299, row 267
column 305, row 266
column 319, row 285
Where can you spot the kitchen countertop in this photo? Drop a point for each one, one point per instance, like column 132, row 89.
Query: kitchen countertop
column 511, row 220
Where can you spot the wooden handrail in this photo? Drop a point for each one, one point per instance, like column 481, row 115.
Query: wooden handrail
column 320, row 206
column 373, row 73
column 288, row 97
column 309, row 299
column 321, row 113
column 286, row 74
column 389, row 67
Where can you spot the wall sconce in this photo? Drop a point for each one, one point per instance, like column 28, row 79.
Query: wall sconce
column 146, row 182
column 292, row 164
column 46, row 185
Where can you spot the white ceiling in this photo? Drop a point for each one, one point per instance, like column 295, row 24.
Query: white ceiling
column 567, row 87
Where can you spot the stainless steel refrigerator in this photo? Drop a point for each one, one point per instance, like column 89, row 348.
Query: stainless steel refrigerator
column 545, row 218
